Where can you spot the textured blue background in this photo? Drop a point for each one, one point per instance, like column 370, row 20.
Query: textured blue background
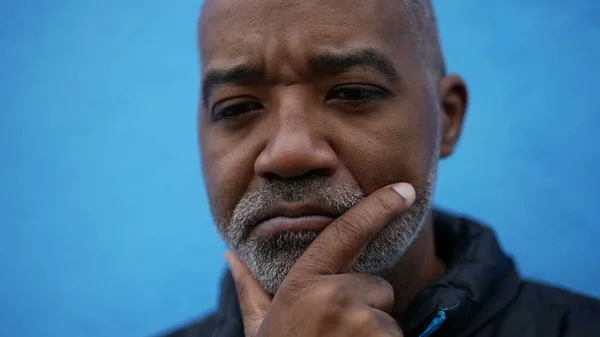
column 104, row 223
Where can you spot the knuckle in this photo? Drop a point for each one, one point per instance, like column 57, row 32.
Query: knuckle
column 364, row 319
column 351, row 225
column 385, row 285
column 375, row 323
column 397, row 333
column 393, row 329
column 292, row 290
column 292, row 285
column 335, row 295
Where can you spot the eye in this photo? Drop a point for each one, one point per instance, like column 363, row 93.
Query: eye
column 227, row 110
column 357, row 94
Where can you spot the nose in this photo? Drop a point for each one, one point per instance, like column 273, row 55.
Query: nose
column 296, row 148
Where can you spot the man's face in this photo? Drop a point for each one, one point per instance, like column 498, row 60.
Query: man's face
column 307, row 107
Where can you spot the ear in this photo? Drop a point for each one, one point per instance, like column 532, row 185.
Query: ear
column 453, row 105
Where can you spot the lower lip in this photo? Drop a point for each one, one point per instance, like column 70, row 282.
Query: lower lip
column 281, row 223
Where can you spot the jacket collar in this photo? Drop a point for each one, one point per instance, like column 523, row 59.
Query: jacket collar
column 479, row 274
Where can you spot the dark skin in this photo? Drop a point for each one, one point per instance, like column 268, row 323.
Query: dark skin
column 334, row 88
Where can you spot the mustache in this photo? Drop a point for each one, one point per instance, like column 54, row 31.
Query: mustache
column 315, row 189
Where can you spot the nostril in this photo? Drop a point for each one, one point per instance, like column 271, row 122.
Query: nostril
column 270, row 176
column 320, row 172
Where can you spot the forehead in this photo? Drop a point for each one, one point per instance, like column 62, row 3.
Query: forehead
column 239, row 30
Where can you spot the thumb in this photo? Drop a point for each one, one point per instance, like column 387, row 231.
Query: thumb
column 254, row 300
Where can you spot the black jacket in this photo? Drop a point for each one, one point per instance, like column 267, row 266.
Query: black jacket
column 481, row 295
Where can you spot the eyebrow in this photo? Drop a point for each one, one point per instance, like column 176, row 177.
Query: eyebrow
column 239, row 74
column 328, row 63
column 333, row 63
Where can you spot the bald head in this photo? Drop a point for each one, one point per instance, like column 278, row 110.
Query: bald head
column 422, row 21
column 416, row 18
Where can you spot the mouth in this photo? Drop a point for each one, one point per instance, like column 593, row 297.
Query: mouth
column 295, row 218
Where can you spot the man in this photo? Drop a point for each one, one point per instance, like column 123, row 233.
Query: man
column 321, row 124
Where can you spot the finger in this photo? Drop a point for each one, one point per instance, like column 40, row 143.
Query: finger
column 370, row 290
column 387, row 325
column 338, row 246
column 254, row 300
column 372, row 322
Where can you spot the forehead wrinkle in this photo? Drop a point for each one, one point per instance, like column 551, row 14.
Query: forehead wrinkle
column 268, row 14
column 335, row 24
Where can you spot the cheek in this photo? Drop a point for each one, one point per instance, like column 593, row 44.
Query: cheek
column 228, row 171
column 398, row 148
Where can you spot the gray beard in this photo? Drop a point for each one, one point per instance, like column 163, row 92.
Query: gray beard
column 270, row 258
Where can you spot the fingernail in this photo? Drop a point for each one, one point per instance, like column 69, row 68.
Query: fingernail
column 405, row 190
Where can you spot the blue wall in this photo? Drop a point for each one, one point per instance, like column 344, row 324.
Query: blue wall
column 104, row 225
